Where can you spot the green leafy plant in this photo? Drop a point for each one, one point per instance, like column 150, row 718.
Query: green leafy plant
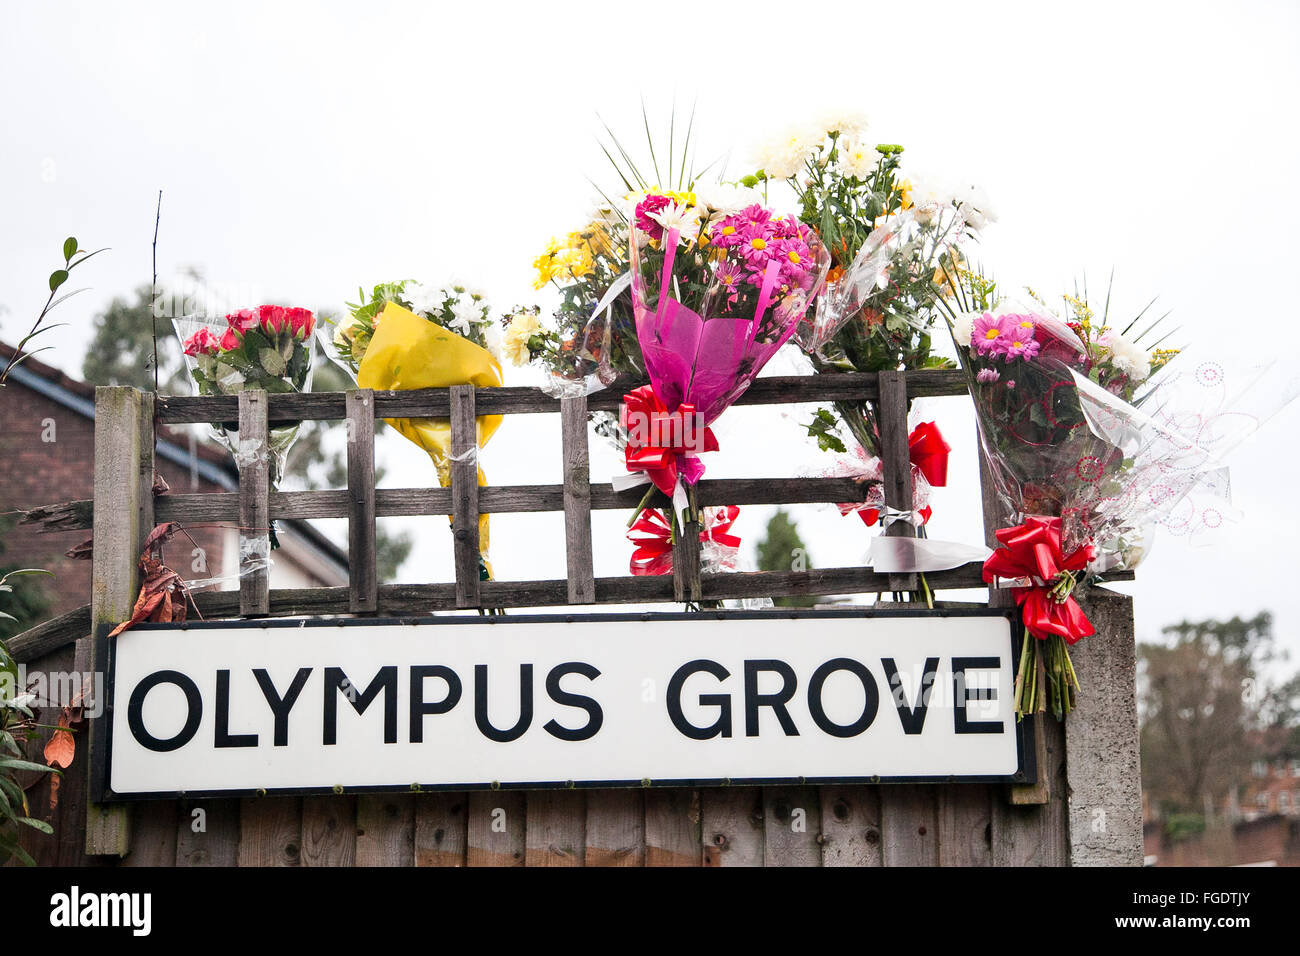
column 17, row 725
column 73, row 256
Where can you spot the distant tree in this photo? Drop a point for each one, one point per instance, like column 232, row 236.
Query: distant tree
column 121, row 350
column 783, row 550
column 1201, row 698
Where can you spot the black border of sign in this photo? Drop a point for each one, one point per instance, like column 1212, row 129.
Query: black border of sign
column 101, row 727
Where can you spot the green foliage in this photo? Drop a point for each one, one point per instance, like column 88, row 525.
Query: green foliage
column 783, row 550
column 72, row 257
column 17, row 725
column 23, row 603
column 1181, row 826
column 822, row 427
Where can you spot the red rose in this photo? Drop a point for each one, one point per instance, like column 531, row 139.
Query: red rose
column 245, row 320
column 301, row 321
column 202, row 342
column 271, row 318
column 231, row 340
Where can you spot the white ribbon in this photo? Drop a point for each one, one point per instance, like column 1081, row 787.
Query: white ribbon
column 904, row 555
column 617, row 288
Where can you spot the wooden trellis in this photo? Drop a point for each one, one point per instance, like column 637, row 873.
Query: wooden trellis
column 1087, row 771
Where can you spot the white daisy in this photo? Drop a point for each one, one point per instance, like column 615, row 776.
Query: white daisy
column 858, row 159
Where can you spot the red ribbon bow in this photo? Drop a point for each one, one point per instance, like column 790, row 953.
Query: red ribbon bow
column 663, row 444
column 1033, row 550
column 929, row 452
column 653, row 537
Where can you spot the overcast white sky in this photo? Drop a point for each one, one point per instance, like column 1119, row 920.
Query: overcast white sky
column 306, row 149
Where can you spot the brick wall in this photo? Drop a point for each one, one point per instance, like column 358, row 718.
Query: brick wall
column 35, row 470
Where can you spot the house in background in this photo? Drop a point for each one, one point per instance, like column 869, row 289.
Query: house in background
column 47, row 454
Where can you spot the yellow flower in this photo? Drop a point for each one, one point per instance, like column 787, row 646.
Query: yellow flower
column 904, row 189
column 574, row 261
column 515, row 342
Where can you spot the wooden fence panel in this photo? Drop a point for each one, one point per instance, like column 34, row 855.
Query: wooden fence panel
column 441, row 829
column 851, row 826
column 848, row 825
column 386, row 829
column 496, row 828
column 329, row 831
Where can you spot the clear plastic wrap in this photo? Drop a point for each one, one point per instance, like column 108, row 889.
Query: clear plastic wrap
column 271, row 348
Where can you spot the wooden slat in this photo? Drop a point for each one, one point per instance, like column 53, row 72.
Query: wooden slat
column 556, row 832
column 732, row 826
column 210, row 837
column 464, row 496
column 254, row 514
column 577, row 501
column 686, row 562
column 965, row 824
column 909, row 830
column 363, row 576
column 896, row 463
column 329, row 830
column 1036, row 834
column 496, row 828
column 416, row 599
column 441, row 829
column 270, row 831
column 154, row 827
column 123, row 476
column 386, row 829
column 672, row 828
column 792, row 826
column 500, row 499
column 851, row 826
column 615, row 828
column 435, row 403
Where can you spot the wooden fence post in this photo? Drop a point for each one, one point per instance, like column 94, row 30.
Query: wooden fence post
column 363, row 573
column 577, row 501
column 896, row 463
column 254, row 463
column 124, row 490
column 1102, row 742
column 464, row 495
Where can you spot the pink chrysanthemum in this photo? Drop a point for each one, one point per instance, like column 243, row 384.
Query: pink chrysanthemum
column 1019, row 345
column 987, row 376
column 989, row 334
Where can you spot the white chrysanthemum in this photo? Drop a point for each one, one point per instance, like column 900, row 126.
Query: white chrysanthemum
column 973, row 203
column 726, row 198
column 784, row 157
column 962, row 326
column 685, row 219
column 492, row 338
column 846, row 122
column 424, row 299
column 466, row 313
column 858, row 159
column 1129, row 357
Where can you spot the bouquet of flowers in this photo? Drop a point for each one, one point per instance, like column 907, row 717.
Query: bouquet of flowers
column 407, row 335
column 593, row 341
column 716, row 291
column 269, row 347
column 652, row 533
column 1054, row 475
column 892, row 245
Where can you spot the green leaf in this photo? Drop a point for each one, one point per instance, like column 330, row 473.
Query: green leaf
column 37, row 824
column 57, row 278
column 10, row 574
column 69, row 248
column 12, row 763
